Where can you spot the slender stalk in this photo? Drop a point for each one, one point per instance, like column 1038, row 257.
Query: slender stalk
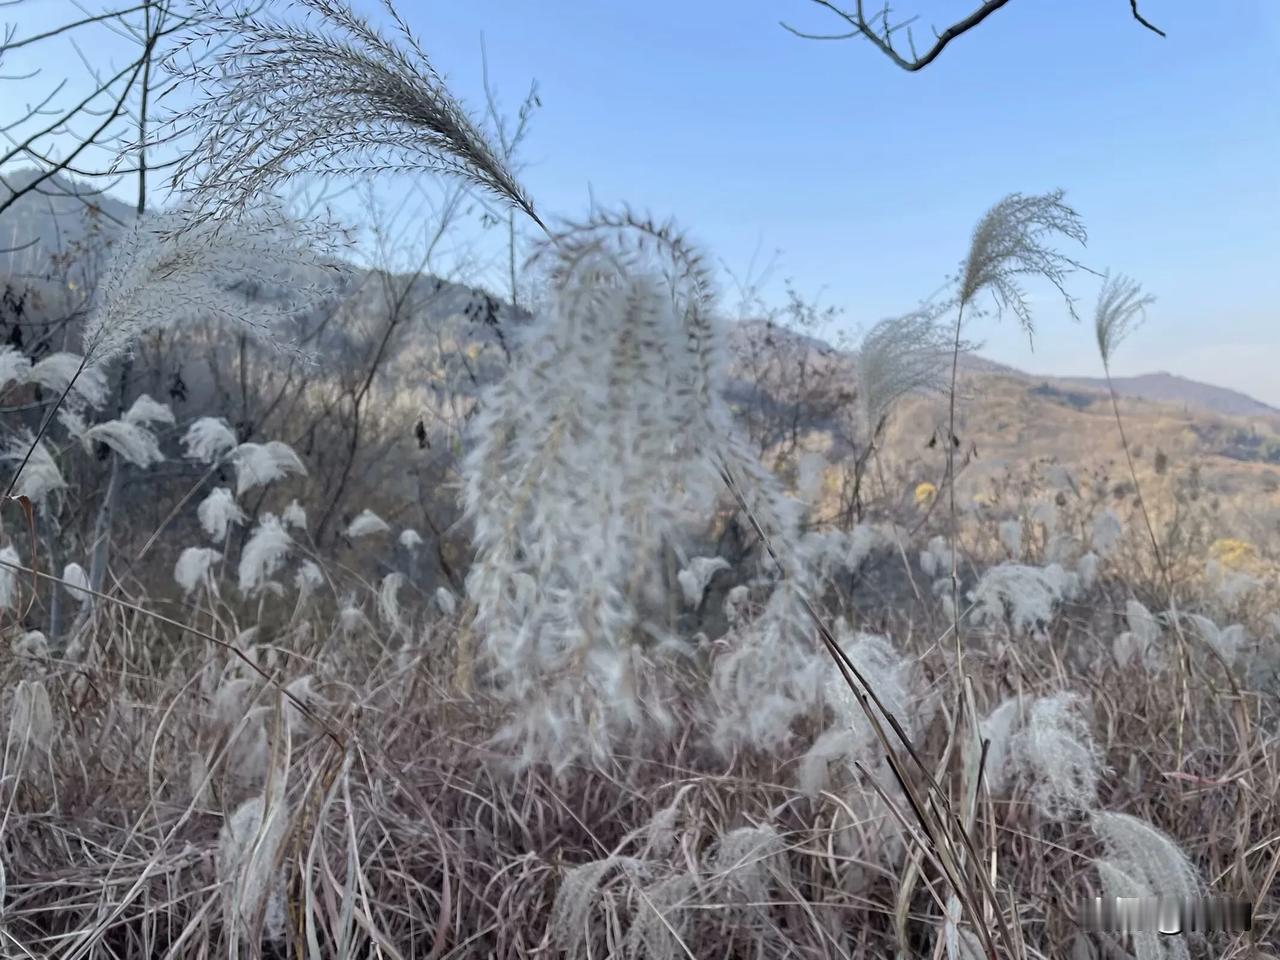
column 1137, row 487
column 1184, row 664
column 951, row 493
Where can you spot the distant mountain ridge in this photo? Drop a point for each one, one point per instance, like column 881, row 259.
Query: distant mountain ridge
column 1163, row 387
column 1159, row 387
column 55, row 217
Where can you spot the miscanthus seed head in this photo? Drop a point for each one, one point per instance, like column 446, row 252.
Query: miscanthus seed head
column 1011, row 242
column 218, row 512
column 40, row 480
column 263, row 554
column 326, row 94
column 208, row 439
column 176, row 268
column 262, row 463
column 366, row 524
column 194, row 566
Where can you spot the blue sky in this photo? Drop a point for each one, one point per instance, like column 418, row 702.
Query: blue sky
column 868, row 180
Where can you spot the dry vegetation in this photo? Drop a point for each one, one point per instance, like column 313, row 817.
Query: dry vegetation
column 624, row 636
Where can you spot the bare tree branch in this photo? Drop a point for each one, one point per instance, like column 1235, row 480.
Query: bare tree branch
column 880, row 31
column 1142, row 20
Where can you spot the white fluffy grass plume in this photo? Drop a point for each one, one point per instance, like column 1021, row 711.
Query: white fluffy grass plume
column 208, row 439
column 308, row 579
column 250, row 846
column 1055, row 753
column 849, row 736
column 132, row 442
column 60, row 371
column 14, row 366
column 609, row 431
column 1121, row 308
column 76, row 582
column 32, row 725
column 366, row 524
column 1142, row 861
column 695, row 577
column 40, row 479
column 1026, row 597
column 145, row 411
column 261, row 463
column 9, row 561
column 263, row 554
column 218, row 512
column 295, row 516
column 194, row 566
column 899, row 356
column 582, row 887
column 176, row 268
column 1146, row 853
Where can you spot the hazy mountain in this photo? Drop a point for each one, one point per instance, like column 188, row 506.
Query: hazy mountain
column 51, row 219
column 64, row 211
column 1170, row 388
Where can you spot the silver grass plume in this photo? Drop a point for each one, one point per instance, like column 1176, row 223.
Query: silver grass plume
column 696, row 576
column 71, row 372
column 607, row 434
column 263, row 554
column 850, row 737
column 1141, row 643
column 9, row 564
column 366, row 524
column 1027, row 597
column 998, row 729
column 193, row 568
column 743, row 867
column 324, row 93
column 179, row 267
column 145, row 411
column 1047, row 746
column 1105, row 532
column 14, row 366
column 250, row 848
column 1011, row 241
column 745, row 862
column 31, row 720
column 76, row 582
column 261, row 463
column 1121, row 309
column 40, row 478
column 295, row 516
column 658, row 930
column 1116, row 883
column 1055, row 753
column 899, row 356
column 218, row 512
column 1010, row 533
column 961, row 942
column 1142, row 861
column 389, row 601
column 129, row 441
column 209, row 439
column 580, row 890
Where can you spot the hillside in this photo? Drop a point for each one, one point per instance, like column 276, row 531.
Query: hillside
column 1010, row 414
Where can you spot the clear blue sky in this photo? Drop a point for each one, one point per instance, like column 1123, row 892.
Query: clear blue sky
column 869, row 179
